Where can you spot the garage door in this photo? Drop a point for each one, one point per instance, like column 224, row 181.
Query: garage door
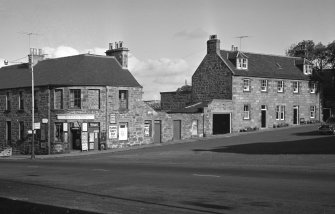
column 221, row 123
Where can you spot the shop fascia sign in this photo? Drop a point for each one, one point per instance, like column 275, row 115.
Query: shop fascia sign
column 75, row 117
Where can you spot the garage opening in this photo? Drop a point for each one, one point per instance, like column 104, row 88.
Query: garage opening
column 221, row 123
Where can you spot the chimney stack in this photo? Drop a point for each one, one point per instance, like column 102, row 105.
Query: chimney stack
column 119, row 52
column 213, row 45
column 35, row 56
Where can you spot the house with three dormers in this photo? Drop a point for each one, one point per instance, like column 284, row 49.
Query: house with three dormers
column 82, row 102
column 235, row 90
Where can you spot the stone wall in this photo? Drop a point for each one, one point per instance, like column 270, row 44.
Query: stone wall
column 211, row 80
column 256, row 98
column 175, row 100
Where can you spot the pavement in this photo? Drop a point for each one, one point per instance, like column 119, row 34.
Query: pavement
column 94, row 152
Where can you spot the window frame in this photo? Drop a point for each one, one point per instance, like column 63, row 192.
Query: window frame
column 246, row 112
column 75, row 101
column 248, row 89
column 21, row 101
column 8, row 131
column 21, row 130
column 242, row 63
column 8, row 106
column 312, row 112
column 280, row 89
column 280, row 112
column 264, row 88
column 125, row 99
column 312, row 88
column 295, row 89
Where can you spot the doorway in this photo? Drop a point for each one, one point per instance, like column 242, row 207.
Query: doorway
column 176, row 129
column 263, row 116
column 295, row 115
column 157, row 131
column 326, row 114
column 221, row 123
column 76, row 138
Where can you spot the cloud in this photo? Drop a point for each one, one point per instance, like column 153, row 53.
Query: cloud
column 192, row 34
column 155, row 75
column 159, row 75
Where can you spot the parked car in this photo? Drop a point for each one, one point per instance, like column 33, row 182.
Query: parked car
column 328, row 127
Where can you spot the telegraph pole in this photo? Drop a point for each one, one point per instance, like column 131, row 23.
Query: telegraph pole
column 31, row 63
column 32, row 105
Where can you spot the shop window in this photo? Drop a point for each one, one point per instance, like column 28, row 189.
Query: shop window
column 123, row 99
column 280, row 86
column 246, row 84
column 58, row 100
column 295, row 85
column 312, row 109
column 75, row 98
column 21, row 130
column 280, row 112
column 246, row 112
column 59, row 132
column 21, row 102
column 264, row 85
column 94, row 98
column 147, row 128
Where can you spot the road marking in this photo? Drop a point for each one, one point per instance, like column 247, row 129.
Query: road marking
column 101, row 170
column 214, row 176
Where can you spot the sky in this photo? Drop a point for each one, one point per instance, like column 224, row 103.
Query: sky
column 166, row 38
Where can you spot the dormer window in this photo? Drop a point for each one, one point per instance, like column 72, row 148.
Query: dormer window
column 242, row 63
column 307, row 69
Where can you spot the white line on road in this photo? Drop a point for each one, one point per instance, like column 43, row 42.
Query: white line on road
column 102, row 170
column 214, row 176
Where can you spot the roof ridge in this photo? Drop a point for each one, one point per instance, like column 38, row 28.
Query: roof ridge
column 292, row 57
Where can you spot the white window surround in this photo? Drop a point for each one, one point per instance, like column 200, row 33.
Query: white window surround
column 307, row 69
column 246, row 84
column 312, row 114
column 295, row 85
column 280, row 86
column 242, row 63
column 264, row 85
column 246, row 112
column 312, row 88
column 280, row 112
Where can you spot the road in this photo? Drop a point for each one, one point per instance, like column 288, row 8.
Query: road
column 281, row 171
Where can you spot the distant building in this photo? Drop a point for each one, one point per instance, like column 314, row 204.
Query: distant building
column 82, row 102
column 327, row 82
column 235, row 90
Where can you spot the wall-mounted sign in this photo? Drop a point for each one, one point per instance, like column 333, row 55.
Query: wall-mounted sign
column 93, row 124
column 45, row 120
column 112, row 118
column 112, row 132
column 123, row 132
column 75, row 117
column 37, row 125
column 65, row 127
column 84, row 141
column 84, row 127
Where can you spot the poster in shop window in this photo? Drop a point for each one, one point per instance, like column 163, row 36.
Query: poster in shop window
column 112, row 132
column 84, row 141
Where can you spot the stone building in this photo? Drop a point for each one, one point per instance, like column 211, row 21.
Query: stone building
column 236, row 90
column 82, row 102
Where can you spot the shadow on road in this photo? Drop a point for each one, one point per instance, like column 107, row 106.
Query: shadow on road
column 323, row 145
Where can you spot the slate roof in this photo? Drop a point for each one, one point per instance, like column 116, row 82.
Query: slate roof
column 78, row 70
column 267, row 66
